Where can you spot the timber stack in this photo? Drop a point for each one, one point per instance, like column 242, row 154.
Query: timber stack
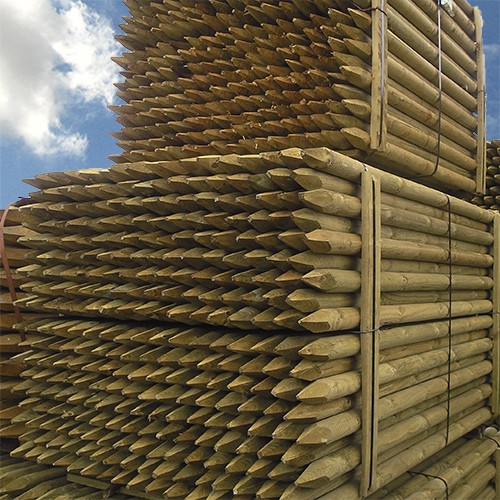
column 276, row 325
column 274, row 292
column 13, row 255
column 23, row 480
column 397, row 84
column 464, row 469
column 491, row 198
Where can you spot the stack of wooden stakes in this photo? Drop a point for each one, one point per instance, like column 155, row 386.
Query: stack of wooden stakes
column 13, row 255
column 397, row 84
column 491, row 198
column 22, row 480
column 197, row 413
column 314, row 271
column 465, row 469
column 278, row 233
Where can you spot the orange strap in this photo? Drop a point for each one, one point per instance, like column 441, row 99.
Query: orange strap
column 8, row 272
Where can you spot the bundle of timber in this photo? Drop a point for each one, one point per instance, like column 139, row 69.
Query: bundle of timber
column 465, row 469
column 266, row 241
column 22, row 480
column 315, row 272
column 400, row 83
column 198, row 413
column 13, row 255
column 491, row 198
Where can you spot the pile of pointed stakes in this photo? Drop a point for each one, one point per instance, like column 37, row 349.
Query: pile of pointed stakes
column 201, row 413
column 263, row 241
column 491, row 199
column 23, row 480
column 211, row 340
column 17, row 255
column 234, row 76
column 464, row 469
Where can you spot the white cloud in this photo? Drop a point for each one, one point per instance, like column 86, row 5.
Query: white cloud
column 492, row 49
column 55, row 55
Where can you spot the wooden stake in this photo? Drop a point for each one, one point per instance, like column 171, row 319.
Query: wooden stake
column 495, row 330
column 481, row 105
column 378, row 126
column 370, row 305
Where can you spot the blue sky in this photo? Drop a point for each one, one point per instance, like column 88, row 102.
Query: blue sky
column 50, row 123
column 70, row 112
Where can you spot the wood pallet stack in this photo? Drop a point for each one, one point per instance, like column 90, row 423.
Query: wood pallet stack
column 271, row 285
column 491, row 198
column 400, row 83
column 16, row 256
